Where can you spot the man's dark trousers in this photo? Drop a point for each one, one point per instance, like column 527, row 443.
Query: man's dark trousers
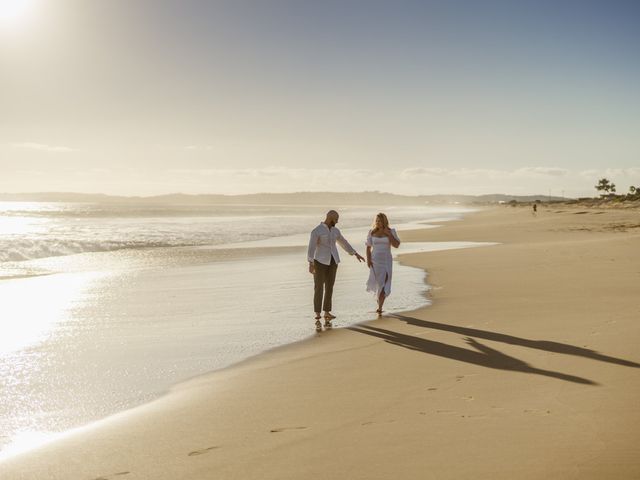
column 323, row 279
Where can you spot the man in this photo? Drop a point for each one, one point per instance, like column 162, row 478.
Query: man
column 323, row 262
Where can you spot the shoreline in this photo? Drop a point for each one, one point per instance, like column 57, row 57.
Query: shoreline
column 322, row 401
column 193, row 268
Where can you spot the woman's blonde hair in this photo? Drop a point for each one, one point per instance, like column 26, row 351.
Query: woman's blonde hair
column 383, row 219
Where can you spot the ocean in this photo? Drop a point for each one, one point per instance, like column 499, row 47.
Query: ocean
column 104, row 307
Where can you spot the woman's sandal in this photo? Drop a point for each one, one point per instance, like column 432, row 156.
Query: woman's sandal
column 379, row 311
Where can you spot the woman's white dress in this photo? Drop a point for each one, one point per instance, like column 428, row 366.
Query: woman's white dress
column 380, row 272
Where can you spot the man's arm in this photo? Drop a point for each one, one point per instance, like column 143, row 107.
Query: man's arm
column 311, row 251
column 347, row 247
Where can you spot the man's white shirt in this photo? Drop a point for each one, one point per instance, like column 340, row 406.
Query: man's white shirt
column 322, row 244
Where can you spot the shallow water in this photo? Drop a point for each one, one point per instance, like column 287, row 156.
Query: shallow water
column 101, row 332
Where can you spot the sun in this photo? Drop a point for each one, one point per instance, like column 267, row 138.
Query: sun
column 13, row 11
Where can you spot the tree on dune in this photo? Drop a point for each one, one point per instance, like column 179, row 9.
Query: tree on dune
column 606, row 186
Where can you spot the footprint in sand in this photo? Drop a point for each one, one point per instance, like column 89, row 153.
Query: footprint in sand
column 432, row 389
column 539, row 412
column 446, row 412
column 112, row 475
column 283, row 429
column 203, row 451
column 467, row 398
column 381, row 422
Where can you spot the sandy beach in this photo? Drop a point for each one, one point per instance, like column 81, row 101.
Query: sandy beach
column 525, row 366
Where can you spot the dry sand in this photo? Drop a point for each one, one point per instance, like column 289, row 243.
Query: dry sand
column 526, row 366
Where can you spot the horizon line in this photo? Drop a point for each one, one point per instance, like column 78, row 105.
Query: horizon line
column 301, row 192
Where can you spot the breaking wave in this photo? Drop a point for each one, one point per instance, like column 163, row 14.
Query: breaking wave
column 21, row 250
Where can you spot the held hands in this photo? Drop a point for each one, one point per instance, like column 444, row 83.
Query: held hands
column 359, row 257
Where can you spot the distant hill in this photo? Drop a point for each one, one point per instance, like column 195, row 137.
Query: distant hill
column 297, row 198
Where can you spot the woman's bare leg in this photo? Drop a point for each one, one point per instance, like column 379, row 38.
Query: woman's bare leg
column 381, row 298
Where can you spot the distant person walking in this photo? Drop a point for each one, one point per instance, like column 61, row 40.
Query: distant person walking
column 323, row 264
column 380, row 239
column 535, row 209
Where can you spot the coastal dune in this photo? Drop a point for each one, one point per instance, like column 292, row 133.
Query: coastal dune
column 526, row 365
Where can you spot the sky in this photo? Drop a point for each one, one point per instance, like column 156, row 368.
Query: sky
column 147, row 97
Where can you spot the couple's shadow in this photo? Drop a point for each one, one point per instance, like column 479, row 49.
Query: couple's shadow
column 484, row 355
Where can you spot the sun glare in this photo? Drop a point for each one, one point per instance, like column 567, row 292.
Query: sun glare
column 13, row 11
column 26, row 322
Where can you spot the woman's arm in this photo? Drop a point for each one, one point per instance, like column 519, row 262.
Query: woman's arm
column 393, row 238
column 369, row 263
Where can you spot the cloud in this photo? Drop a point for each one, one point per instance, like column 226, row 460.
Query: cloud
column 200, row 148
column 589, row 173
column 612, row 173
column 426, row 172
column 410, row 181
column 484, row 172
column 361, row 176
column 542, row 171
column 93, row 172
column 270, row 172
column 42, row 147
column 623, row 172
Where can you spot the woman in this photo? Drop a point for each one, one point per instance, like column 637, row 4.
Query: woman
column 379, row 242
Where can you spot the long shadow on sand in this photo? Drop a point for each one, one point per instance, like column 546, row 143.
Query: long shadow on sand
column 484, row 356
column 554, row 347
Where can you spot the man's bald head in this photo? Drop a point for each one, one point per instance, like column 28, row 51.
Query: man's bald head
column 332, row 218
